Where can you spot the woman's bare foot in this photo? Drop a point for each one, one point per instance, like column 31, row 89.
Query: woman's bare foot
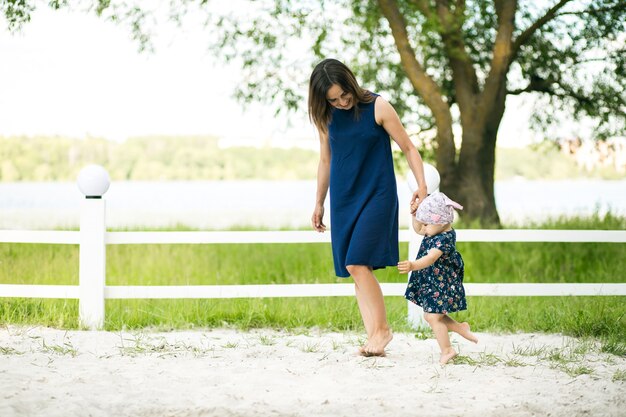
column 446, row 356
column 466, row 332
column 376, row 345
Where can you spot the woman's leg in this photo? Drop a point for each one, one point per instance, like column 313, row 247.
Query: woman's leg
column 372, row 307
column 462, row 329
column 436, row 322
column 365, row 314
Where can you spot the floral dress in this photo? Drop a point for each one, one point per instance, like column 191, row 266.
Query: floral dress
column 439, row 288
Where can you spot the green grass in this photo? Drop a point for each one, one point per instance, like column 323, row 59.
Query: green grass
column 597, row 317
column 619, row 375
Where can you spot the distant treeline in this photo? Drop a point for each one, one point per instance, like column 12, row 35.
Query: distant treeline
column 200, row 158
column 149, row 158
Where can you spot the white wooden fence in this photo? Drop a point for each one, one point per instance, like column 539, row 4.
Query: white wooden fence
column 93, row 239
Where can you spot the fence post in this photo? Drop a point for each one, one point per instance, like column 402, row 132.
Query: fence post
column 93, row 182
column 415, row 313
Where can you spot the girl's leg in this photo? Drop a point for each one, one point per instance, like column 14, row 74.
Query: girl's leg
column 372, row 306
column 440, row 330
column 462, row 329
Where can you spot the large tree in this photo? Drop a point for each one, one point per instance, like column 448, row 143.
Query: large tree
column 443, row 63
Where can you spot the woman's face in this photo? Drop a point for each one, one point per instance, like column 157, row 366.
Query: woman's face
column 339, row 98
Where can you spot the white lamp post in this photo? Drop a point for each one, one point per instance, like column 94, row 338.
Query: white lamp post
column 93, row 182
column 431, row 175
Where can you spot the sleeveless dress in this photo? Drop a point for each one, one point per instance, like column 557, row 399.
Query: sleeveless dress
column 439, row 288
column 363, row 193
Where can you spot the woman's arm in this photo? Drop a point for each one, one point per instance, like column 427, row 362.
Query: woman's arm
column 387, row 117
column 323, row 180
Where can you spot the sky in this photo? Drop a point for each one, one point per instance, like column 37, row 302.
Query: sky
column 70, row 73
column 73, row 74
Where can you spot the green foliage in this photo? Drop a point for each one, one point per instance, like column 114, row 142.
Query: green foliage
column 571, row 56
column 16, row 12
column 577, row 63
column 149, row 158
column 200, row 158
column 137, row 19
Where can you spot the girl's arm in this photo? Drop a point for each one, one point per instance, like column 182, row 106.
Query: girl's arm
column 387, row 117
column 423, row 262
column 323, row 179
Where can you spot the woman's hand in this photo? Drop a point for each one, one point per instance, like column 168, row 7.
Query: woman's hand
column 418, row 197
column 317, row 219
column 405, row 267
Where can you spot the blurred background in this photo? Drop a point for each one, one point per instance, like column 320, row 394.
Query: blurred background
column 173, row 104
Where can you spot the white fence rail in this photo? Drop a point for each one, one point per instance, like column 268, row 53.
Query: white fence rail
column 93, row 239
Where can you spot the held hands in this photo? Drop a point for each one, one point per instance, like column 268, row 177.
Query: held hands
column 317, row 219
column 418, row 196
column 405, row 267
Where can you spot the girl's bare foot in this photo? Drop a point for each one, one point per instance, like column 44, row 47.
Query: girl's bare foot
column 376, row 346
column 446, row 356
column 466, row 332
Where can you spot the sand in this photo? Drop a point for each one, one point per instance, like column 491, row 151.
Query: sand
column 225, row 372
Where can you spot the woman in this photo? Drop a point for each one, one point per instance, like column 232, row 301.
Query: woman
column 354, row 127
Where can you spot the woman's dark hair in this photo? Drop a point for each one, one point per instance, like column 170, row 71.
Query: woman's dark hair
column 325, row 75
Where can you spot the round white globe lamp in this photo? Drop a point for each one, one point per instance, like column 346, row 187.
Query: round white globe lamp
column 431, row 175
column 93, row 181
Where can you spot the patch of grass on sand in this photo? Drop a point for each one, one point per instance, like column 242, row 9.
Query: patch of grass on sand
column 619, row 375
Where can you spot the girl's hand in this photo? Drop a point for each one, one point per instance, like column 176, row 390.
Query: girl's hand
column 405, row 267
column 317, row 219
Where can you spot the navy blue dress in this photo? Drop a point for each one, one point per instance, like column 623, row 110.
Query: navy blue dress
column 363, row 194
column 439, row 288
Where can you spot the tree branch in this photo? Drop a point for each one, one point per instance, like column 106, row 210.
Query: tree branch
column 535, row 85
column 530, row 31
column 547, row 87
column 619, row 6
column 426, row 87
column 422, row 82
column 502, row 54
column 463, row 72
column 517, row 92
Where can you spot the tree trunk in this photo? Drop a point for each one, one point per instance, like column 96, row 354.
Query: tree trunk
column 474, row 186
column 445, row 154
column 475, row 174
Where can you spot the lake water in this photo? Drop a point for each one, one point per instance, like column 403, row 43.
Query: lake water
column 270, row 204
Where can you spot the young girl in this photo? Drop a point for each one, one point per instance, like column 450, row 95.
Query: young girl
column 436, row 283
